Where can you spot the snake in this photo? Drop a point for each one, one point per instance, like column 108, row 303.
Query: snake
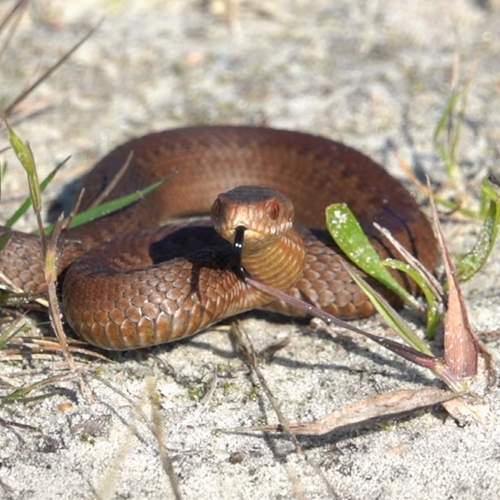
column 166, row 266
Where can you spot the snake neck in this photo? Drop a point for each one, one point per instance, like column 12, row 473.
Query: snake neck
column 279, row 264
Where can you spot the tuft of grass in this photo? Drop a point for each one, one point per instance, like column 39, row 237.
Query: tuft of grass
column 49, row 248
column 351, row 239
column 359, row 250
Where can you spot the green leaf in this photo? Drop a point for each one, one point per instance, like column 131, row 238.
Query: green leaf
column 352, row 240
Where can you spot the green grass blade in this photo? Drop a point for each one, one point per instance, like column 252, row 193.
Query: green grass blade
column 447, row 153
column 110, row 206
column 391, row 316
column 472, row 262
column 20, row 395
column 4, row 239
column 27, row 203
column 3, row 170
column 441, row 125
column 25, row 156
column 11, row 331
column 433, row 309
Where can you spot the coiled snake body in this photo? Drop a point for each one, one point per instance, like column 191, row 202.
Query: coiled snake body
column 134, row 284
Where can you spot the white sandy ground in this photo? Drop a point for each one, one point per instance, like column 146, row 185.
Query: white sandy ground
column 376, row 75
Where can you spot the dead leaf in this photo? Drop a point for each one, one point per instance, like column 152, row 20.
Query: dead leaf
column 460, row 341
column 364, row 413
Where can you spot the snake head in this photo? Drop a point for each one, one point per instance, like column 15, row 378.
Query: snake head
column 262, row 213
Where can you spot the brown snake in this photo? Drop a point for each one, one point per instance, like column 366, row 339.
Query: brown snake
column 147, row 284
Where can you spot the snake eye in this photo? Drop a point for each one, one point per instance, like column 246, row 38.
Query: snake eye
column 273, row 210
column 216, row 207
